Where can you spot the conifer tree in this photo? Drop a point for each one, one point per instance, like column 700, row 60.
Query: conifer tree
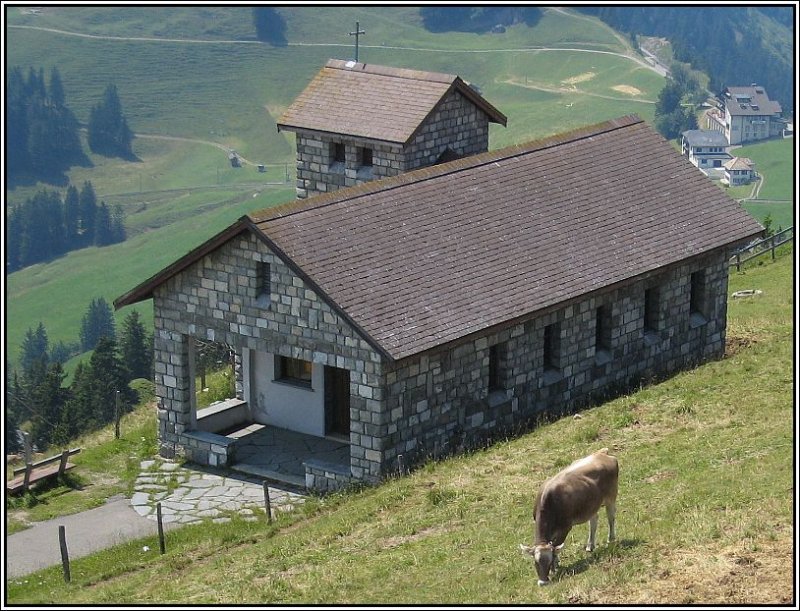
column 103, row 232
column 109, row 133
column 72, row 215
column 47, row 401
column 136, row 348
column 88, row 207
column 98, row 322
column 34, row 348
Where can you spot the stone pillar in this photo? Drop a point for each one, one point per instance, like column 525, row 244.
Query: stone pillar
column 368, row 426
column 174, row 389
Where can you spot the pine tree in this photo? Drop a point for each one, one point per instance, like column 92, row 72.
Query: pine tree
column 16, row 124
column 47, row 401
column 88, row 207
column 77, row 416
column 12, row 419
column 103, row 232
column 72, row 215
column 57, row 97
column 136, row 348
column 108, row 377
column 34, row 348
column 98, row 322
column 109, row 133
column 118, row 224
column 13, row 239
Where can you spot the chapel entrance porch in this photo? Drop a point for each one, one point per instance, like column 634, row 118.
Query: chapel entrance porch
column 282, row 455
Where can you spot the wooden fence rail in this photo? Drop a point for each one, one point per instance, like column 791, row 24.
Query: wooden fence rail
column 762, row 247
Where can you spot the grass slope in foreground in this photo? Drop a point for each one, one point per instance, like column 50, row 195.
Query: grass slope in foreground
column 704, row 512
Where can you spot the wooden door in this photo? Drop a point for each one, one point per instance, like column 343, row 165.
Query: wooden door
column 337, row 401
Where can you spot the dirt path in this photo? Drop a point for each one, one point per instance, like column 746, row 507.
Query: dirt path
column 630, row 57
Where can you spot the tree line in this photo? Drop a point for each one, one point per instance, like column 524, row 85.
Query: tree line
column 476, row 19
column 48, row 226
column 54, row 413
column 672, row 116
column 42, row 138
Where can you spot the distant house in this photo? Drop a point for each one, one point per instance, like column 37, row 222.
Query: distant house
column 416, row 315
column 746, row 115
column 705, row 148
column 358, row 122
column 739, row 171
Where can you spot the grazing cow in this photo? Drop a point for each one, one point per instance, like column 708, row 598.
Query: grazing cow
column 572, row 496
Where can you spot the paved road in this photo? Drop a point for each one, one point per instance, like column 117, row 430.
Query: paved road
column 187, row 496
column 87, row 532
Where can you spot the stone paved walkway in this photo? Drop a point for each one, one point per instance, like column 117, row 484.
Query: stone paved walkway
column 191, row 495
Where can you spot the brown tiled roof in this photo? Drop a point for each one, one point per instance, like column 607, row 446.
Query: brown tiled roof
column 428, row 257
column 375, row 102
column 436, row 254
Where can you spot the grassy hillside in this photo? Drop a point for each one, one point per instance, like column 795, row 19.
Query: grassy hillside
column 72, row 281
column 705, row 509
column 775, row 195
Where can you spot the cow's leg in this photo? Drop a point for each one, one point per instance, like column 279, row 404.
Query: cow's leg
column 611, row 514
column 592, row 533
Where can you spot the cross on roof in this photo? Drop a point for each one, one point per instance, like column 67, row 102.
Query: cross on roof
column 356, row 33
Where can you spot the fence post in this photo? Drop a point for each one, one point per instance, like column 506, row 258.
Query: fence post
column 116, row 415
column 161, row 545
column 62, row 543
column 772, row 245
column 738, row 262
column 267, row 504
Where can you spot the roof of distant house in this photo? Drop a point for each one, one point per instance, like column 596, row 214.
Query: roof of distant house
column 705, row 137
column 375, row 102
column 435, row 255
column 751, row 100
column 739, row 163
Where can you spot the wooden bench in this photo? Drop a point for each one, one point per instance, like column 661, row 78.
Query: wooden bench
column 40, row 471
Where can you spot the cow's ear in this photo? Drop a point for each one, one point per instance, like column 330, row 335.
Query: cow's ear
column 526, row 549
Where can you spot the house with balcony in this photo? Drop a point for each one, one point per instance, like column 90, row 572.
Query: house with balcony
column 706, row 149
column 746, row 114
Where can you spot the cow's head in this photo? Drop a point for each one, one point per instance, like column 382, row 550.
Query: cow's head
column 545, row 557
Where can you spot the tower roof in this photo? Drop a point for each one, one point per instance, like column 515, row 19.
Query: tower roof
column 375, row 102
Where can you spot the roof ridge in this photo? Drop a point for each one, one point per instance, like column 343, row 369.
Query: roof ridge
column 442, row 169
column 380, row 70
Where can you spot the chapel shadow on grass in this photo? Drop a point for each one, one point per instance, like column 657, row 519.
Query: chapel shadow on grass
column 601, row 553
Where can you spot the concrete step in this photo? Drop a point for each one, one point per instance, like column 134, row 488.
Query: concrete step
column 267, row 474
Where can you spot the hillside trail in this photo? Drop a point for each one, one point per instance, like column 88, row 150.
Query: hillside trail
column 629, row 56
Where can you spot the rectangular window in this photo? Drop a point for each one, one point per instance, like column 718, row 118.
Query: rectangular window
column 602, row 335
column 697, row 295
column 366, row 157
column 263, row 281
column 651, row 307
column 552, row 347
column 293, row 371
column 497, row 367
column 337, row 152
